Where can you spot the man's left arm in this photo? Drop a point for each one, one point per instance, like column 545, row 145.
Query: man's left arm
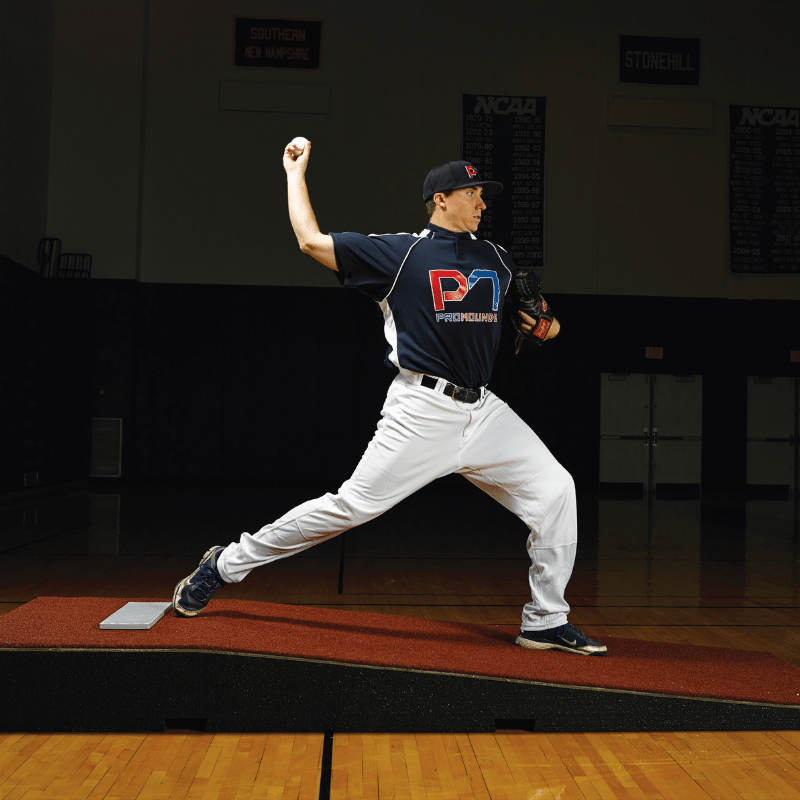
column 533, row 317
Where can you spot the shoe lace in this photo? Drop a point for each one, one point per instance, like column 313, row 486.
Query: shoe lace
column 570, row 630
column 206, row 584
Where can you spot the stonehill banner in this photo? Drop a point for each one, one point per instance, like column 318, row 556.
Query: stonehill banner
column 660, row 60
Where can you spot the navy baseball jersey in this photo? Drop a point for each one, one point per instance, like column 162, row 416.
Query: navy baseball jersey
column 441, row 294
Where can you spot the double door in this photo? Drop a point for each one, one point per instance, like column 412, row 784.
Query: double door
column 773, row 444
column 650, row 431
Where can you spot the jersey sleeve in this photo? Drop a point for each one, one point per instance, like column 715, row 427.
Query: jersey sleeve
column 370, row 263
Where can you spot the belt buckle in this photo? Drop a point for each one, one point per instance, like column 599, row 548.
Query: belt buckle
column 461, row 394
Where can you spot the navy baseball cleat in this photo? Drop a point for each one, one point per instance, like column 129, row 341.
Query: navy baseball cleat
column 192, row 594
column 563, row 638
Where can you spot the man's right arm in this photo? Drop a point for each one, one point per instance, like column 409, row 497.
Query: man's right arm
column 311, row 240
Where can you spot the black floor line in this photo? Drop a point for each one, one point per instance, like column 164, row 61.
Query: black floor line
column 327, row 765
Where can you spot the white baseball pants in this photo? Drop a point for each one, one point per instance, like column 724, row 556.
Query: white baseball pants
column 424, row 435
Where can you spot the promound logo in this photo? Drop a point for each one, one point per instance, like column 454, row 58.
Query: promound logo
column 464, row 284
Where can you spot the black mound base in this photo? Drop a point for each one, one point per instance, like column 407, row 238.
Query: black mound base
column 138, row 691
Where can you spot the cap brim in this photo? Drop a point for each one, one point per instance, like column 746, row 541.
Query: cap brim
column 490, row 188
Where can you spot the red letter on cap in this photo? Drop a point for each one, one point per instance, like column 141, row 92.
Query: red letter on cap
column 471, row 171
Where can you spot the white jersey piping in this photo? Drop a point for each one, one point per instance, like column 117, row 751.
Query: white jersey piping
column 501, row 260
column 405, row 258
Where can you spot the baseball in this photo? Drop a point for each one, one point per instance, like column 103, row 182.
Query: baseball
column 298, row 144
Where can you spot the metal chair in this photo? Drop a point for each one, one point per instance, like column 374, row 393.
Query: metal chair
column 48, row 257
column 74, row 265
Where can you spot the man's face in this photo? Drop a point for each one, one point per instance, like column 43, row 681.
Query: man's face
column 462, row 209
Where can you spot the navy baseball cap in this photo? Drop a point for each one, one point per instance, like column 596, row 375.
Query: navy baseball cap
column 456, row 175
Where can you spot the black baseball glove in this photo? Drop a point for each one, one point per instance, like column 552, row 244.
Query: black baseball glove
column 524, row 295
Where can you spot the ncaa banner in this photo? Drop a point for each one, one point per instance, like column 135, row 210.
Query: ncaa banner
column 764, row 190
column 504, row 137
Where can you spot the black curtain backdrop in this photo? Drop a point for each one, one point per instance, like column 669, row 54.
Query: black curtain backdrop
column 285, row 384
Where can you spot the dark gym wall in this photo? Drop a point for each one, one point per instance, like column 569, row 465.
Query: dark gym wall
column 258, row 384
column 46, row 362
column 266, row 384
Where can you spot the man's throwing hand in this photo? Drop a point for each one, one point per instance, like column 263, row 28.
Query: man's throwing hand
column 295, row 156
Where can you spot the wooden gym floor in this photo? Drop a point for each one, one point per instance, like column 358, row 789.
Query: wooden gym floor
column 721, row 570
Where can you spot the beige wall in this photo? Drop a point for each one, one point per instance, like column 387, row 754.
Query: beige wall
column 95, row 134
column 26, row 72
column 663, row 192
column 634, row 209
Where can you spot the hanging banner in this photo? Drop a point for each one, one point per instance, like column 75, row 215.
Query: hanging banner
column 764, row 190
column 286, row 43
column 659, row 60
column 504, row 137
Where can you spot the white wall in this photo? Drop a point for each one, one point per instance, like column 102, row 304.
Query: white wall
column 633, row 210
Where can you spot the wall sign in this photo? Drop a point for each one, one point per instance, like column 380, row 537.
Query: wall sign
column 660, row 60
column 504, row 138
column 765, row 189
column 287, row 43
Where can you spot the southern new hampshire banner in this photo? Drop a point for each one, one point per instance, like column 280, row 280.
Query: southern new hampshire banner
column 287, row 43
